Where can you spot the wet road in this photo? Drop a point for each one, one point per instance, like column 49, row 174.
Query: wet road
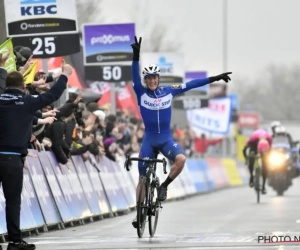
column 225, row 219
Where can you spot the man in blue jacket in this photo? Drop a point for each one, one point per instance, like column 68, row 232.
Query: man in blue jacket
column 155, row 106
column 16, row 116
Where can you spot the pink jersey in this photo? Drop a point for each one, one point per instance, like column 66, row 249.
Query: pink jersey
column 258, row 134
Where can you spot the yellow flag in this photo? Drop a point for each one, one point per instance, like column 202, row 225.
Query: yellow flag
column 29, row 73
column 10, row 64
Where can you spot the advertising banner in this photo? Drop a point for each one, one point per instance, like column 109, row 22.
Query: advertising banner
column 43, row 191
column 171, row 66
column 215, row 119
column 189, row 76
column 43, row 26
column 60, row 201
column 38, row 17
column 102, row 200
column 108, row 44
column 33, row 202
column 113, row 189
column 77, row 190
column 70, row 197
column 90, row 194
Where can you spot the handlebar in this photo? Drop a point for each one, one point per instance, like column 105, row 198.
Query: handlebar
column 128, row 160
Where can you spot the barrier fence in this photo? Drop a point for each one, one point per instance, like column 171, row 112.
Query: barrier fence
column 56, row 196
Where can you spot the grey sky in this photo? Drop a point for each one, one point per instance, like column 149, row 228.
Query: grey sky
column 259, row 31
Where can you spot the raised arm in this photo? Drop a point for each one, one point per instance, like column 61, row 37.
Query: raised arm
column 3, row 72
column 135, row 68
column 42, row 100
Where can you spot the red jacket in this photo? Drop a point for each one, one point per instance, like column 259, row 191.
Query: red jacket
column 201, row 144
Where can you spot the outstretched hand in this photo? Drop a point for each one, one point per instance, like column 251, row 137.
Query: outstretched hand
column 223, row 77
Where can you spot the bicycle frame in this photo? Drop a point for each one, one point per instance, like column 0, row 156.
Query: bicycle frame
column 149, row 208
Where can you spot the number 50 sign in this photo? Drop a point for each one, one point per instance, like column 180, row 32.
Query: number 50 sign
column 108, row 73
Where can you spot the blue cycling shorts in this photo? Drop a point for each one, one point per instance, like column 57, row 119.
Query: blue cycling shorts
column 164, row 143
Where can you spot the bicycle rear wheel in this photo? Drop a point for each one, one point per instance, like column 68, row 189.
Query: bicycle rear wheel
column 142, row 209
column 154, row 208
column 257, row 183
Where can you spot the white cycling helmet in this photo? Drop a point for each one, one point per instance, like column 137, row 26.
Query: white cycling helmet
column 280, row 130
column 275, row 124
column 151, row 70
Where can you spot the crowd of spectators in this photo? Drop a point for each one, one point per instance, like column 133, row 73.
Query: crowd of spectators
column 80, row 128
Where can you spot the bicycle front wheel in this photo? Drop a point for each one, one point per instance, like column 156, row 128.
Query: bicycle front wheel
column 154, row 208
column 142, row 209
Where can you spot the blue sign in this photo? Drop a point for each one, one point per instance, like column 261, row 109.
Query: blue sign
column 234, row 101
column 90, row 194
column 126, row 185
column 108, row 43
column 55, row 189
column 77, row 190
column 189, row 76
column 209, row 179
column 27, row 220
column 197, row 174
column 164, row 65
column 43, row 191
column 2, row 213
column 33, row 201
column 113, row 190
column 70, row 197
column 92, row 170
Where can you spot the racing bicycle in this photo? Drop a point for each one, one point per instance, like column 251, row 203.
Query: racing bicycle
column 148, row 204
column 258, row 174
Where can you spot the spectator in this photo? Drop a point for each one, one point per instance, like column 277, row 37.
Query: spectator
column 201, row 144
column 57, row 132
column 17, row 111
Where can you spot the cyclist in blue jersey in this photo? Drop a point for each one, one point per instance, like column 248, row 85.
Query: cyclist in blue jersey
column 155, row 108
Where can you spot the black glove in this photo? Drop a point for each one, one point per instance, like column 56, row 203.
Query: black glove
column 136, row 49
column 223, row 76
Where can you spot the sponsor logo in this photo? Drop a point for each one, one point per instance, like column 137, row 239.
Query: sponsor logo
column 33, row 9
column 165, row 66
column 109, row 39
column 175, row 86
column 156, row 103
column 101, row 58
column 25, row 26
column 250, row 120
column 207, row 121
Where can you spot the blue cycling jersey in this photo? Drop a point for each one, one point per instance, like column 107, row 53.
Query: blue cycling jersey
column 155, row 106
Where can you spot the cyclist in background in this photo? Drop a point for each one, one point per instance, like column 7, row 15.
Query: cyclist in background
column 273, row 126
column 257, row 142
column 155, row 105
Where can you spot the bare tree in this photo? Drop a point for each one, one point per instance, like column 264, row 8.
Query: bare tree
column 157, row 40
column 157, row 32
column 275, row 94
column 88, row 11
